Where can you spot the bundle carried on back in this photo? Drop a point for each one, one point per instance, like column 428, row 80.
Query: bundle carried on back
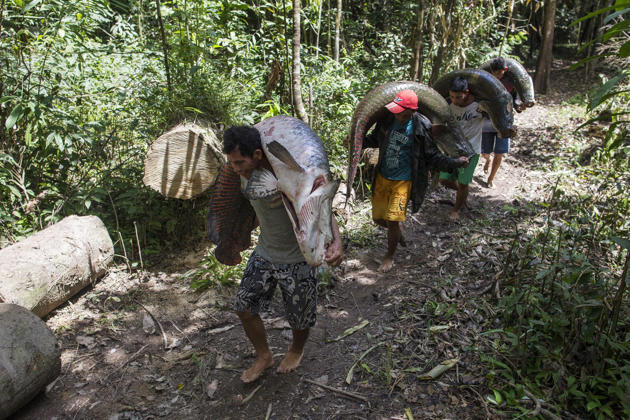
column 183, row 162
column 371, row 109
column 494, row 99
column 518, row 76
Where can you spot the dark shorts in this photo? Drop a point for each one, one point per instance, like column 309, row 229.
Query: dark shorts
column 492, row 143
column 298, row 283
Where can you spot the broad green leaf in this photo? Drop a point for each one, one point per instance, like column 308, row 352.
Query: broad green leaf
column 31, row 5
column 15, row 116
column 605, row 89
column 592, row 14
column 614, row 15
column 624, row 51
column 497, row 396
column 616, row 29
column 6, row 99
column 591, row 405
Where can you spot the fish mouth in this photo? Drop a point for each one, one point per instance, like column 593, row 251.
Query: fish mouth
column 312, row 221
column 292, row 214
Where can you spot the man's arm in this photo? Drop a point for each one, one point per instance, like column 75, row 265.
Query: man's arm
column 334, row 252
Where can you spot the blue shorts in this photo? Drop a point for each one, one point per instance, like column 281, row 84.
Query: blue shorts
column 492, row 143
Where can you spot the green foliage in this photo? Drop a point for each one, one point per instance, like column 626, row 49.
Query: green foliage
column 212, row 273
column 561, row 336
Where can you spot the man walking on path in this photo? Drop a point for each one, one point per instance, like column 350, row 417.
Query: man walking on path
column 466, row 110
column 405, row 152
column 490, row 140
column 276, row 259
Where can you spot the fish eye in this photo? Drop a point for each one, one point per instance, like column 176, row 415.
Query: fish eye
column 319, row 181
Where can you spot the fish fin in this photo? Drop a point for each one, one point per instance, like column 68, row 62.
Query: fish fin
column 484, row 106
column 283, row 155
column 262, row 184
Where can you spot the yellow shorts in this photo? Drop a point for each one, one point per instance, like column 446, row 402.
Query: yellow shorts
column 389, row 200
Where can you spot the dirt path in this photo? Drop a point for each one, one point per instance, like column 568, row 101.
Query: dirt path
column 432, row 307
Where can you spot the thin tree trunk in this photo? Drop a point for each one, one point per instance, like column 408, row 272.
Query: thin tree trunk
column 297, row 82
column 164, row 46
column 507, row 26
column 140, row 36
column 319, row 28
column 545, row 57
column 286, row 50
column 442, row 50
column 329, row 26
column 338, row 29
column 416, row 66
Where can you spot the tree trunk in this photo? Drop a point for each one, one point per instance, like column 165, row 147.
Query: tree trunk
column 319, row 28
column 286, row 51
column 297, row 81
column 338, row 29
column 29, row 357
column 416, row 61
column 507, row 26
column 183, row 162
column 49, row 267
column 164, row 46
column 545, row 57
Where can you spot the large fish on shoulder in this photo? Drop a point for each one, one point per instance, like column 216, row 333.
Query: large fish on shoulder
column 494, row 99
column 301, row 175
column 446, row 131
column 518, row 76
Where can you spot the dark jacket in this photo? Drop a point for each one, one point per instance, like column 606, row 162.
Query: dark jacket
column 425, row 154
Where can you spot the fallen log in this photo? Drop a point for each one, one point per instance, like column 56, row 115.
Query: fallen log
column 183, row 162
column 46, row 269
column 29, row 357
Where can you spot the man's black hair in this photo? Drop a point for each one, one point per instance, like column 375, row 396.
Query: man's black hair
column 498, row 64
column 459, row 84
column 245, row 137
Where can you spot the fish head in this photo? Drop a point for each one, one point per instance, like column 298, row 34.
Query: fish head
column 451, row 140
column 501, row 113
column 308, row 201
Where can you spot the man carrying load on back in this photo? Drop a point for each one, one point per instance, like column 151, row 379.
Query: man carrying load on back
column 405, row 152
column 491, row 142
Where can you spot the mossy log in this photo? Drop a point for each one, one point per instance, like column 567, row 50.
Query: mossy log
column 29, row 357
column 183, row 162
column 49, row 267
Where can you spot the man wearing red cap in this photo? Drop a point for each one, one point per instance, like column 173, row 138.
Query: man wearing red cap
column 405, row 151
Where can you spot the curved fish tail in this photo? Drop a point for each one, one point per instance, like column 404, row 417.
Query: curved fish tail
column 231, row 218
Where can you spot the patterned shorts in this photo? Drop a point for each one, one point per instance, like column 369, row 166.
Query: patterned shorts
column 298, row 283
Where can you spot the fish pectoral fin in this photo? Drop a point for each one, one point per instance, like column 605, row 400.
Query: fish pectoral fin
column 262, row 184
column 283, row 155
column 484, row 106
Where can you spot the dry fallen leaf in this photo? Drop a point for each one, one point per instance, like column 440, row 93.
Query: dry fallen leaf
column 211, row 388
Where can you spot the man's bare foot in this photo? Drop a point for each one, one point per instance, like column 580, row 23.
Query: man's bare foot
column 486, row 166
column 454, row 215
column 257, row 369
column 386, row 265
column 490, row 184
column 290, row 362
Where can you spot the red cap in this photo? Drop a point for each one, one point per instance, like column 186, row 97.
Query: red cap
column 406, row 99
